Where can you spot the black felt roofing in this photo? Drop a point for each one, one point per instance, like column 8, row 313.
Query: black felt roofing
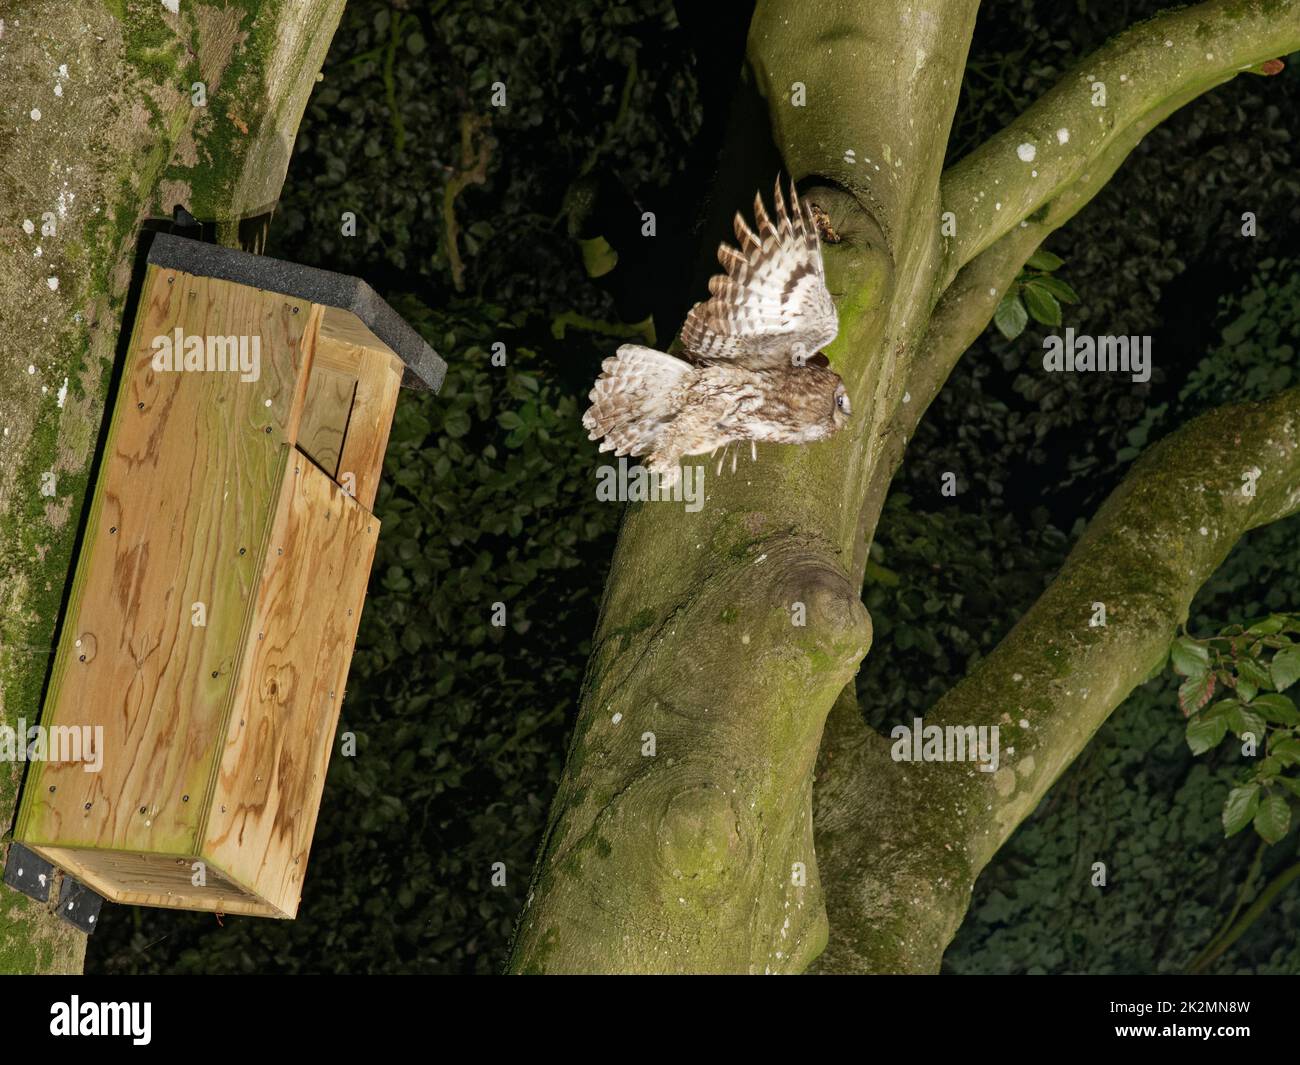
column 424, row 368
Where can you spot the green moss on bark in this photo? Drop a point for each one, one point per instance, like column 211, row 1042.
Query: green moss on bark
column 122, row 112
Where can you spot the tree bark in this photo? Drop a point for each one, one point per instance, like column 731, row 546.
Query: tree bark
column 100, row 132
column 699, row 857
column 903, row 842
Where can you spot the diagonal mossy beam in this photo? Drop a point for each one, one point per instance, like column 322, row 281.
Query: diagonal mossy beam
column 901, row 843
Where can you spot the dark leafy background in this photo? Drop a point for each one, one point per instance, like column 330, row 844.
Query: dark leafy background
column 615, row 109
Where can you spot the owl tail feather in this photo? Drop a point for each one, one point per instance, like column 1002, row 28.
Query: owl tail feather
column 635, row 399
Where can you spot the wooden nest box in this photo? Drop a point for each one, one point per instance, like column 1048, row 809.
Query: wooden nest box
column 220, row 582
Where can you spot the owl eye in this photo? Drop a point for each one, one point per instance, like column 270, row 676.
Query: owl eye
column 842, row 401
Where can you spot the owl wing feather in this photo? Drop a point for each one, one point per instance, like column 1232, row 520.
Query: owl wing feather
column 772, row 301
column 635, row 399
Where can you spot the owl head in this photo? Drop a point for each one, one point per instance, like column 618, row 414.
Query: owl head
column 842, row 406
column 829, row 396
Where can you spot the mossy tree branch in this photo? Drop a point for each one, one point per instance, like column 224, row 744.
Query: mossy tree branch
column 1058, row 139
column 901, row 844
column 967, row 304
column 686, row 855
column 700, row 857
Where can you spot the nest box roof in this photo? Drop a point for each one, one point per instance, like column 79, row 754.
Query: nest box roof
column 424, row 368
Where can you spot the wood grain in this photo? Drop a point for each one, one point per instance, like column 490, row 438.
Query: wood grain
column 266, row 796
column 379, row 379
column 342, row 330
column 325, row 415
column 222, row 492
column 180, row 516
column 156, row 880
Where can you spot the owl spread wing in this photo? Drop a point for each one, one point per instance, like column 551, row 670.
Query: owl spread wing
column 772, row 303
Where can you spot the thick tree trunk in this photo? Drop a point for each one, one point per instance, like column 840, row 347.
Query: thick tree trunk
column 699, row 856
column 100, row 131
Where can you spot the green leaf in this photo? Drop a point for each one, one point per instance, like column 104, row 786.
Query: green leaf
column 1041, row 303
column 1243, row 720
column 1058, row 288
column 1239, row 808
column 1222, row 708
column 1044, row 260
column 1285, row 668
column 880, row 575
column 1267, row 627
column 1189, row 656
column 1011, row 316
column 598, row 257
column 1195, row 692
column 1255, row 672
column 1277, row 708
column 456, row 423
column 1273, row 818
column 1291, row 784
column 1205, row 733
column 1286, row 751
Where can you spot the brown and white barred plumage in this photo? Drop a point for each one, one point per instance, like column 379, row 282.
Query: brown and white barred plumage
column 755, row 371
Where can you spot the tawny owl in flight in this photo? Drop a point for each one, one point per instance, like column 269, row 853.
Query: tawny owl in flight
column 756, row 369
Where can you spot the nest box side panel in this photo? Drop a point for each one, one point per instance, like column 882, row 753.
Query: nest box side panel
column 168, row 571
column 325, row 415
column 361, row 462
column 157, row 880
column 262, row 813
column 355, row 380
